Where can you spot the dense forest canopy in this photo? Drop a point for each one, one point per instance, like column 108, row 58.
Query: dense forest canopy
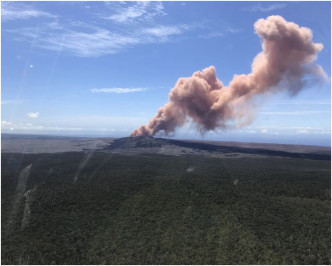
column 102, row 208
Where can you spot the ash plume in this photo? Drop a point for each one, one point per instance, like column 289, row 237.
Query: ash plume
column 286, row 63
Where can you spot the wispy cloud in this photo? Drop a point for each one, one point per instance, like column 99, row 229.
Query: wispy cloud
column 162, row 33
column 82, row 44
column 131, row 24
column 138, row 11
column 10, row 126
column 77, row 43
column 6, row 123
column 5, row 102
column 94, row 42
column 81, row 124
column 306, row 102
column 295, row 112
column 295, row 130
column 117, row 90
column 266, row 8
column 220, row 33
column 32, row 115
column 232, row 30
column 13, row 11
column 212, row 35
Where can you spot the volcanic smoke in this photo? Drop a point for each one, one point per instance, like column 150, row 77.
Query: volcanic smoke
column 286, row 63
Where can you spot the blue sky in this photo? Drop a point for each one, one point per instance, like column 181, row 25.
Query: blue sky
column 104, row 68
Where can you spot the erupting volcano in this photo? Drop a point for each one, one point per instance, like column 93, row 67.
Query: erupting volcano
column 286, row 63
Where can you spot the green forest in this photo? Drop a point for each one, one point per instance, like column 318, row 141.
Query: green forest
column 103, row 208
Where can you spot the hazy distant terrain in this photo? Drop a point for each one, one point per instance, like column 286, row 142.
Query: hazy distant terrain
column 159, row 201
column 49, row 144
column 137, row 145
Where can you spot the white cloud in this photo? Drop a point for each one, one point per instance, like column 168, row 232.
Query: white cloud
column 76, row 124
column 303, row 131
column 78, row 43
column 163, row 31
column 295, row 113
column 11, row 102
column 33, row 115
column 135, row 12
column 232, row 30
column 271, row 7
column 295, row 130
column 130, row 13
column 93, row 41
column 13, row 11
column 31, row 127
column 212, row 35
column 6, row 123
column 221, row 32
column 117, row 90
column 87, row 40
column 83, row 44
column 7, row 126
column 312, row 130
column 301, row 102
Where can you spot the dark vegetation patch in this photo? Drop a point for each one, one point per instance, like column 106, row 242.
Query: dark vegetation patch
column 232, row 149
column 155, row 209
column 137, row 142
column 149, row 142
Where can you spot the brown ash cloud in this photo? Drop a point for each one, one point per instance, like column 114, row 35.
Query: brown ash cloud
column 286, row 63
